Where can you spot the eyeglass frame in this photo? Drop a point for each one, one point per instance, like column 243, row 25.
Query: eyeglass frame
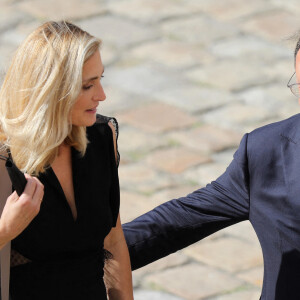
column 290, row 86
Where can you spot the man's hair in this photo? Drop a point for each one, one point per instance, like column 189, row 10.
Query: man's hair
column 38, row 94
column 296, row 49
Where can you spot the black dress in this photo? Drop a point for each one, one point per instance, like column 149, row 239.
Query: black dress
column 66, row 255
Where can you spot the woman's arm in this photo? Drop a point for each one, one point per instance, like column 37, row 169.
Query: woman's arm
column 117, row 270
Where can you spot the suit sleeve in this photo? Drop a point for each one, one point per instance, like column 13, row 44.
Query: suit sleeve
column 181, row 222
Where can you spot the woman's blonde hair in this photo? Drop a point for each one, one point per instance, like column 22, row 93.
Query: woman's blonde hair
column 38, row 94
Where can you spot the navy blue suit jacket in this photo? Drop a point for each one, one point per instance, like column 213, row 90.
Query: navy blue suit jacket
column 262, row 184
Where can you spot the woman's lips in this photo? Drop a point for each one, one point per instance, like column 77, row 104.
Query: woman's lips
column 92, row 110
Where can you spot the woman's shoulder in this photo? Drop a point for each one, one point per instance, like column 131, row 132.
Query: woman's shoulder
column 105, row 129
column 101, row 119
column 105, row 120
column 102, row 125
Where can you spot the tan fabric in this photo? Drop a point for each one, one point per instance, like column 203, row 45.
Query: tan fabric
column 5, row 191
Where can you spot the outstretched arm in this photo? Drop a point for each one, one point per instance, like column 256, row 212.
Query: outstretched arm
column 183, row 221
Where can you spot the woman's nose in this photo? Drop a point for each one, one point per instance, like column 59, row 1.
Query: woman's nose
column 100, row 94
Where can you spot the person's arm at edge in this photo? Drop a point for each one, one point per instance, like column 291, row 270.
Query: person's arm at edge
column 18, row 212
column 118, row 278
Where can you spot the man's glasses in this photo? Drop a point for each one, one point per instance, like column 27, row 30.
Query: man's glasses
column 294, row 87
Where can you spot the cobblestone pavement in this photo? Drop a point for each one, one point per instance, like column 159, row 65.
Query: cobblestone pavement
column 185, row 79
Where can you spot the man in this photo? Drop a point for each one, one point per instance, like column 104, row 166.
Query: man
column 262, row 185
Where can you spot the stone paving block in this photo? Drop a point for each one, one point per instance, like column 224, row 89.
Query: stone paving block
column 194, row 98
column 172, row 54
column 193, row 281
column 232, row 9
column 240, row 295
column 242, row 231
column 207, row 138
column 135, row 142
column 291, row 5
column 153, row 295
column 152, row 11
column 6, row 54
column 168, row 262
column 142, row 179
column 206, row 173
column 200, row 30
column 118, row 100
column 237, row 117
column 273, row 25
column 239, row 75
column 249, row 47
column 144, row 79
column 17, row 34
column 253, row 276
column 156, row 118
column 10, row 16
column 226, row 156
column 173, row 193
column 275, row 98
column 175, row 160
column 282, row 70
column 133, row 205
column 222, row 253
column 58, row 10
column 141, row 173
column 117, row 32
column 108, row 54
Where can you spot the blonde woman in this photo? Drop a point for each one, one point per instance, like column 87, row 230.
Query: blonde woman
column 66, row 224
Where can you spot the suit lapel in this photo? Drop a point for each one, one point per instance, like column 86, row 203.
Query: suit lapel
column 290, row 150
column 289, row 219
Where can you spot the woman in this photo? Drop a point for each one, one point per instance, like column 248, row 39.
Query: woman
column 69, row 212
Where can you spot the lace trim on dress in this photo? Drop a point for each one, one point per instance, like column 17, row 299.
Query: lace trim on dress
column 17, row 259
column 114, row 122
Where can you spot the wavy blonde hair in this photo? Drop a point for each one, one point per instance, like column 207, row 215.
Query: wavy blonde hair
column 38, row 94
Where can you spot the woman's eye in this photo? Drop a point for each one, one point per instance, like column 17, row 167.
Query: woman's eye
column 87, row 87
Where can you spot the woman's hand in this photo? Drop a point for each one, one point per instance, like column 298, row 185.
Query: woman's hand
column 18, row 212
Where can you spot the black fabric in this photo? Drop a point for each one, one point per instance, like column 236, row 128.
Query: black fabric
column 67, row 255
column 17, row 178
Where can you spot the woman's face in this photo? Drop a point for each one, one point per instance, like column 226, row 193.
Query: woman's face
column 85, row 107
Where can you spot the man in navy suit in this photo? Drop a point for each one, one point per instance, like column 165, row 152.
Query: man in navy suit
column 262, row 185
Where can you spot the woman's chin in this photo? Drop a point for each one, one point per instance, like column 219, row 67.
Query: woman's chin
column 86, row 121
